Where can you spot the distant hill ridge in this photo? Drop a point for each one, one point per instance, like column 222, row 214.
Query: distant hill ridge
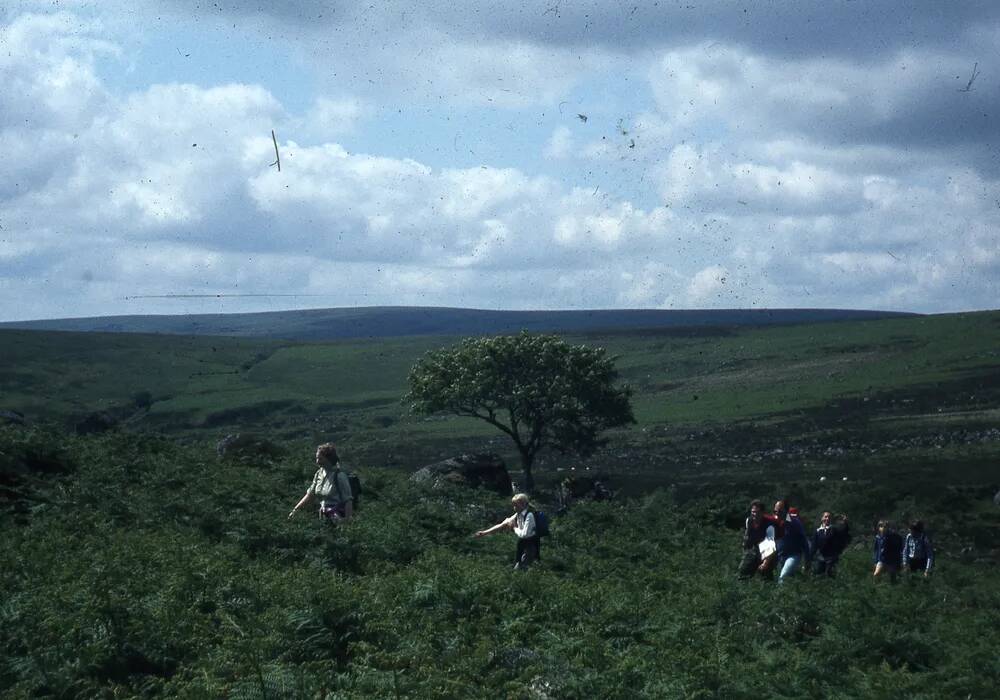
column 390, row 321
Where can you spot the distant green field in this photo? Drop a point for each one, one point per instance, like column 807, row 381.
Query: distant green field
column 903, row 375
column 753, row 374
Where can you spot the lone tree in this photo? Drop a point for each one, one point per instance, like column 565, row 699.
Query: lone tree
column 538, row 389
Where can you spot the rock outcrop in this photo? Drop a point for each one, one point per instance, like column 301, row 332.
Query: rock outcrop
column 473, row 471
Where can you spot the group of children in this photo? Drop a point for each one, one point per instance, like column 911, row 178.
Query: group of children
column 777, row 542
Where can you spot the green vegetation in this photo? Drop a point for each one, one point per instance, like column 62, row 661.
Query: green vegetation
column 155, row 569
column 538, row 389
column 136, row 563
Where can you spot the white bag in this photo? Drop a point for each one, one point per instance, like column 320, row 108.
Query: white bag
column 767, row 546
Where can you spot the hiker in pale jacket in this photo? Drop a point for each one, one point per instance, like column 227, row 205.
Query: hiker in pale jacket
column 330, row 486
column 522, row 524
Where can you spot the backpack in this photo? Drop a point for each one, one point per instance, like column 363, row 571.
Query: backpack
column 541, row 524
column 892, row 548
column 839, row 539
column 355, row 484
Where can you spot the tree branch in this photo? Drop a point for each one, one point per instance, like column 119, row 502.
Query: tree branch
column 490, row 418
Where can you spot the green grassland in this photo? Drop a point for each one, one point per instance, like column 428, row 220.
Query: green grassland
column 148, row 568
column 137, row 564
column 679, row 375
column 888, row 376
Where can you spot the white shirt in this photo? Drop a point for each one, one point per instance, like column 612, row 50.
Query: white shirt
column 324, row 486
column 523, row 523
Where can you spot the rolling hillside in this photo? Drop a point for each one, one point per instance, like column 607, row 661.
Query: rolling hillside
column 384, row 322
column 788, row 399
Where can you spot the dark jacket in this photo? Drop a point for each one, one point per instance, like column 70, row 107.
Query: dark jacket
column 918, row 547
column 830, row 542
column 794, row 543
column 753, row 536
column 888, row 549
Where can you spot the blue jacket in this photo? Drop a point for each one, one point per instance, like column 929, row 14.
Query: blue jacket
column 795, row 542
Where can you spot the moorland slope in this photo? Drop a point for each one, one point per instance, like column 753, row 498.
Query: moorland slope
column 392, row 321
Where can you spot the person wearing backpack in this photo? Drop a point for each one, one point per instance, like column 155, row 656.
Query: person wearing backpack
column 528, row 525
column 775, row 524
column 918, row 553
column 888, row 551
column 754, row 533
column 330, row 485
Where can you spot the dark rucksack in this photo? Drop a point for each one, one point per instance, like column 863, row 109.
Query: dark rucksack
column 355, row 483
column 838, row 538
column 892, row 548
column 541, row 524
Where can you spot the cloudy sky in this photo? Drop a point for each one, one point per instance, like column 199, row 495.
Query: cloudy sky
column 520, row 155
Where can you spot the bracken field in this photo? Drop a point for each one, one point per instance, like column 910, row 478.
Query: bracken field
column 137, row 563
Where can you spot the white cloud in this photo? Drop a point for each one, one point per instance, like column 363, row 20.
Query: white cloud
column 707, row 283
column 508, row 74
column 711, row 180
column 47, row 69
column 904, row 97
column 560, row 144
column 648, row 285
column 330, row 118
column 168, row 188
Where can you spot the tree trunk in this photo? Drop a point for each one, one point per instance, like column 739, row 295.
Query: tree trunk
column 527, row 459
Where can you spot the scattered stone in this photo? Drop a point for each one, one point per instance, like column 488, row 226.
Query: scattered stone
column 541, row 689
column 486, row 470
column 11, row 417
column 583, row 488
column 514, row 657
column 996, row 499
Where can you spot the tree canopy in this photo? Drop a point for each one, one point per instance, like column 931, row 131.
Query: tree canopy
column 538, row 389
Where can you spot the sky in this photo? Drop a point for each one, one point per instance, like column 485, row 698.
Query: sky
column 560, row 154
